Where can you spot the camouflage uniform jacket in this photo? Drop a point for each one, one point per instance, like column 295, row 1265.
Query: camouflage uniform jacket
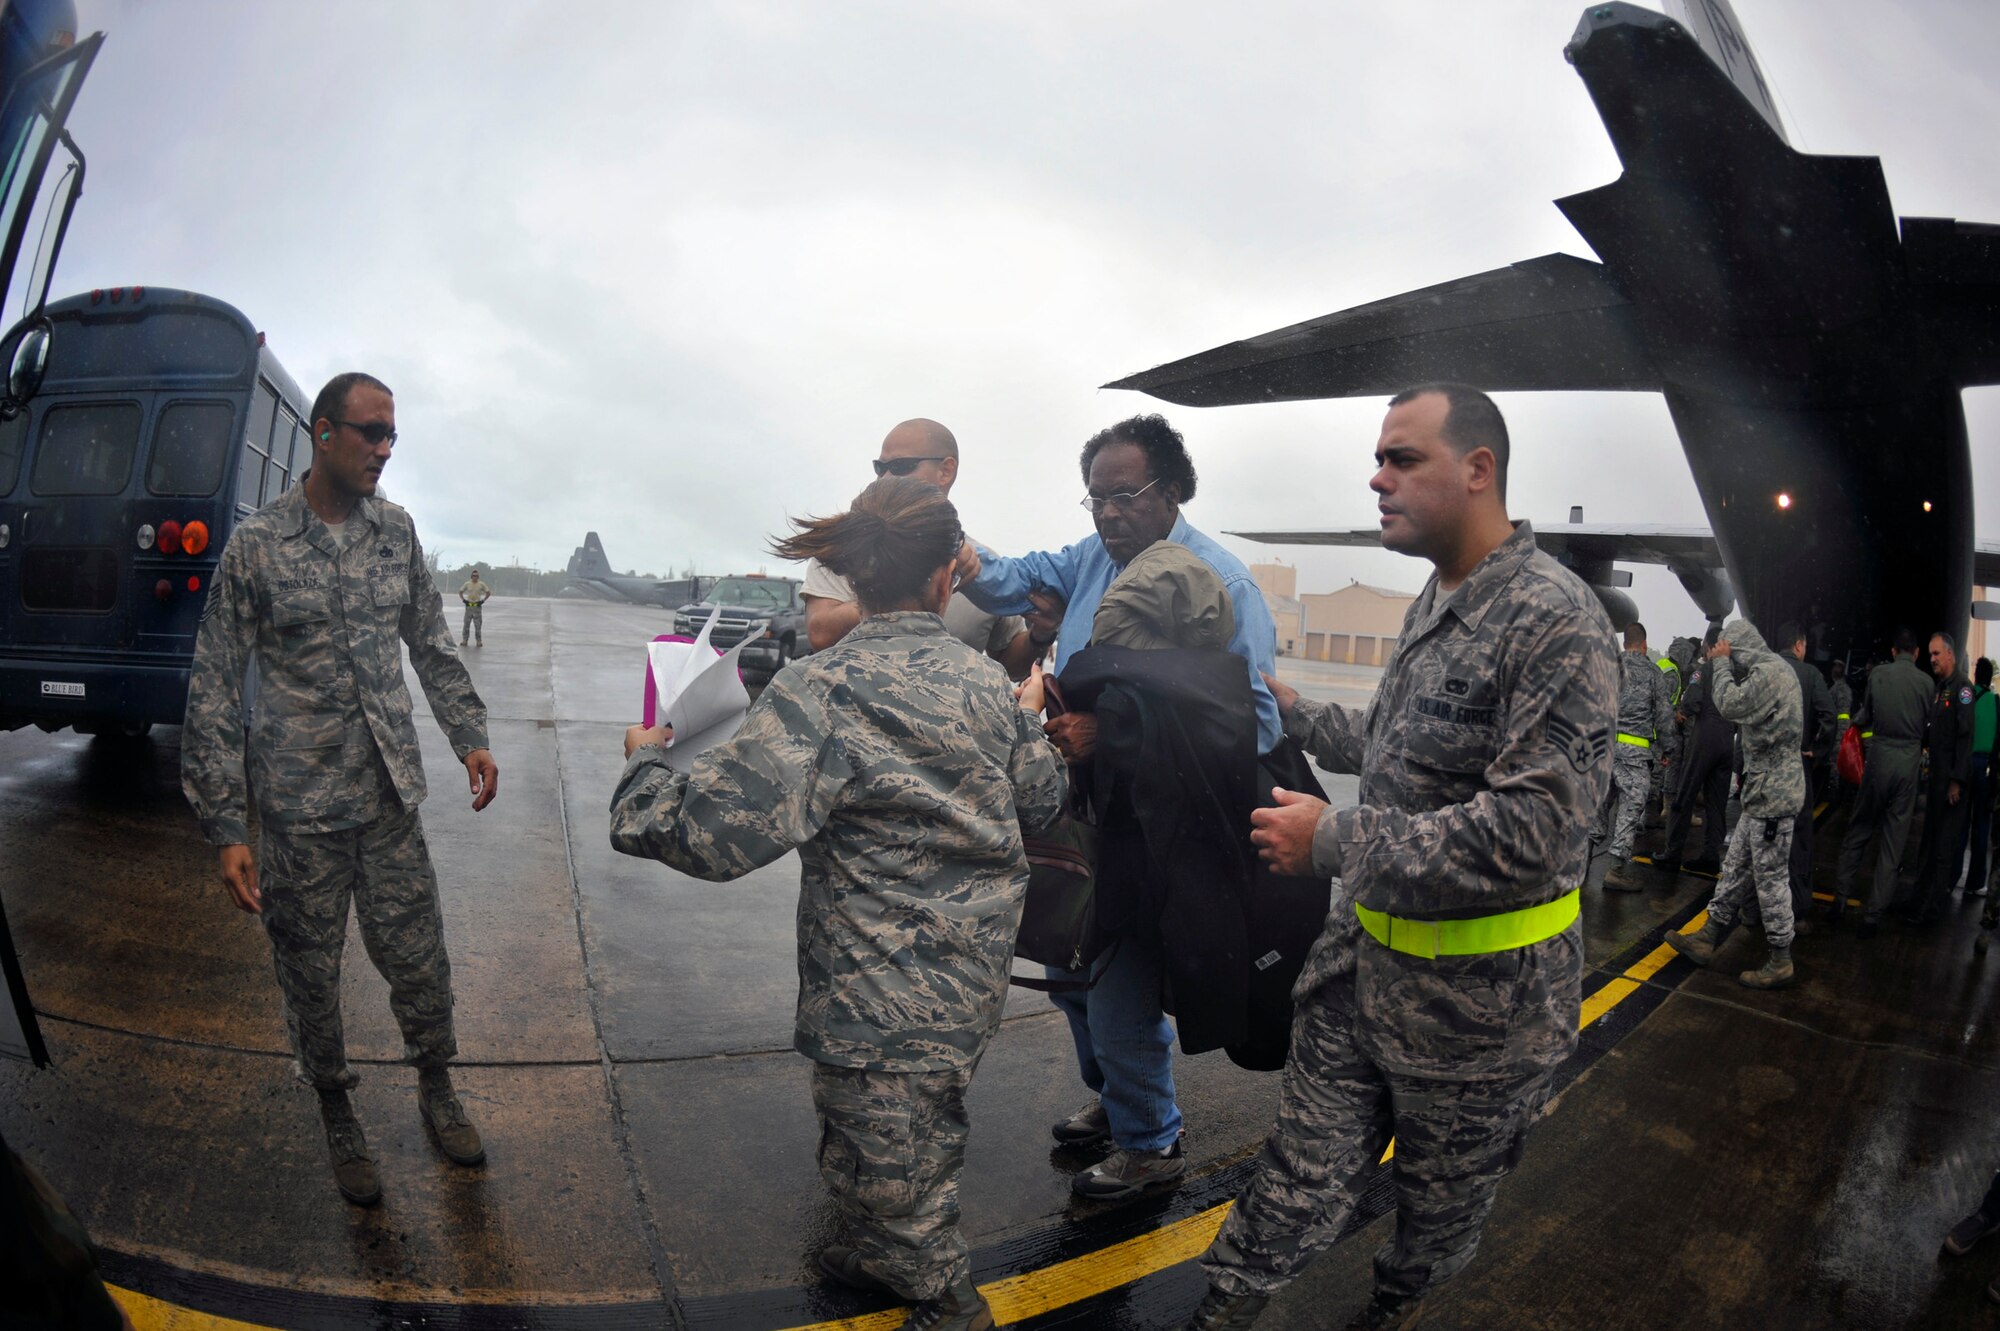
column 1645, row 703
column 324, row 628
column 1483, row 757
column 475, row 593
column 900, row 767
column 1756, row 689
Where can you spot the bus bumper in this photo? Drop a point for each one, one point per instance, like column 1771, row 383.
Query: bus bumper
column 90, row 696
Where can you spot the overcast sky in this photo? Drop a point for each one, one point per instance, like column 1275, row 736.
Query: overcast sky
column 669, row 271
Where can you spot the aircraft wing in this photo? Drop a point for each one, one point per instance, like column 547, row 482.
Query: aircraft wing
column 1557, row 322
column 1674, row 547
column 1689, row 552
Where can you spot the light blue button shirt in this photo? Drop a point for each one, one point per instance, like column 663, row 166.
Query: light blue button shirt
column 1081, row 574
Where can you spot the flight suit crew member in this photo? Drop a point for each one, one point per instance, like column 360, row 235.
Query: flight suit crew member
column 1445, row 989
column 1755, row 689
column 1710, row 748
column 1843, row 703
column 926, row 451
column 1948, row 742
column 319, row 592
column 1645, row 714
column 1979, row 788
column 1892, row 717
column 1817, row 700
column 474, row 593
column 901, row 768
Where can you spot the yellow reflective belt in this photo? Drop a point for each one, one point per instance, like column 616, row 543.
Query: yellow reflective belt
column 1634, row 739
column 1845, row 717
column 1459, row 938
column 1868, row 734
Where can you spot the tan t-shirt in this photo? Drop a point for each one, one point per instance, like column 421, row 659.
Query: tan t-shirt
column 962, row 619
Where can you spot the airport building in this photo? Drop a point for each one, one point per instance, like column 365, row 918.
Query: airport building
column 1357, row 624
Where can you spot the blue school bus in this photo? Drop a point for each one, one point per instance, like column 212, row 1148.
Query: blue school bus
column 161, row 420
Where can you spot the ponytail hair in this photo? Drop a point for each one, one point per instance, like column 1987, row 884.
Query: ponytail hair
column 896, row 534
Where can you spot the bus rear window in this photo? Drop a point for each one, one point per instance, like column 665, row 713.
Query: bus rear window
column 87, row 450
column 190, row 446
column 13, row 443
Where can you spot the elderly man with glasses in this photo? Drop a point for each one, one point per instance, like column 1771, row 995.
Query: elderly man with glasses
column 925, row 450
column 1137, row 475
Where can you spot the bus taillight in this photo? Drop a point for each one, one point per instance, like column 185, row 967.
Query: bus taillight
column 147, row 536
column 194, row 537
column 194, row 584
column 170, row 537
column 162, row 590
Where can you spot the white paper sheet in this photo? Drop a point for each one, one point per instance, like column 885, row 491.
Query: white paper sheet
column 699, row 694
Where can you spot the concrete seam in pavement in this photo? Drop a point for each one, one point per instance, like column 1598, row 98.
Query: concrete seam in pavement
column 655, row 1248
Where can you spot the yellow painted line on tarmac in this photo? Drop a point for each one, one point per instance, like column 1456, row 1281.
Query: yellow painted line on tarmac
column 1032, row 1293
column 151, row 1314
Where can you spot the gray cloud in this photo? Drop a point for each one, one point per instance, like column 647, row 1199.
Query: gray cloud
column 670, row 271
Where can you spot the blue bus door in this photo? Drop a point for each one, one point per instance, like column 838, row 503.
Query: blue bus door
column 77, row 558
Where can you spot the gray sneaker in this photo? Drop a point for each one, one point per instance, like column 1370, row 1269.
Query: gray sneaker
column 1086, row 1127
column 1966, row 1234
column 1126, row 1173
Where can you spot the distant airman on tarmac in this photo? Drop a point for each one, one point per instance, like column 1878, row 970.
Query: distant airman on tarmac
column 474, row 594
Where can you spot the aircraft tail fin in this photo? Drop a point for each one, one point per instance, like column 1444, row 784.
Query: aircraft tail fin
column 1715, row 28
column 588, row 560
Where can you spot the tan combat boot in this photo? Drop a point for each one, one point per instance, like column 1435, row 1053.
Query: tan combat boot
column 961, row 1308
column 1227, row 1312
column 445, row 1116
column 347, row 1147
column 1775, row 973
column 1699, row 947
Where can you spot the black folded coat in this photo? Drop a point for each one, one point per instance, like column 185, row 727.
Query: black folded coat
column 1174, row 778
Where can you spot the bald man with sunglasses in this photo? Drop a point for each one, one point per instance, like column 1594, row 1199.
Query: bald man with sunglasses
column 925, row 450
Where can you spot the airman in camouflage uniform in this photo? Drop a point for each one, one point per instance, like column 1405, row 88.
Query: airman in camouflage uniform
column 1484, row 753
column 1757, row 692
column 1674, row 665
column 898, row 765
column 1645, row 714
column 321, row 612
column 474, row 593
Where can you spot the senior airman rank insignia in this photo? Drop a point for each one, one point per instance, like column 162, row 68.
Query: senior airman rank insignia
column 1582, row 747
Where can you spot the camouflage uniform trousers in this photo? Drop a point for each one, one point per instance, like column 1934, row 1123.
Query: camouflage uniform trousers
column 1631, row 778
column 891, row 1149
column 385, row 868
column 475, row 624
column 1337, row 1111
column 1758, row 861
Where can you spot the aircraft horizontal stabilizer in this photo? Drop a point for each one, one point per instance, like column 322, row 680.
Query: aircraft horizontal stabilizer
column 1986, row 565
column 1553, row 323
column 1689, row 552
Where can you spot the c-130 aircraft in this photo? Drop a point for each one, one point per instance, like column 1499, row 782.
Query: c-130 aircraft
column 1811, row 352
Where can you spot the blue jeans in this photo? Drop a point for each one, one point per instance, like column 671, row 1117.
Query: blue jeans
column 1125, row 1044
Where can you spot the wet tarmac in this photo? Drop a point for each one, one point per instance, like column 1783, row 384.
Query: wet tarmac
column 1716, row 1158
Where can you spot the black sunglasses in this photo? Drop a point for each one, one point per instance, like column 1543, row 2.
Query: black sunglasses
column 374, row 432
column 899, row 466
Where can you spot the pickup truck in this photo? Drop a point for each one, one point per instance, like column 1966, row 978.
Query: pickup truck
column 751, row 603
